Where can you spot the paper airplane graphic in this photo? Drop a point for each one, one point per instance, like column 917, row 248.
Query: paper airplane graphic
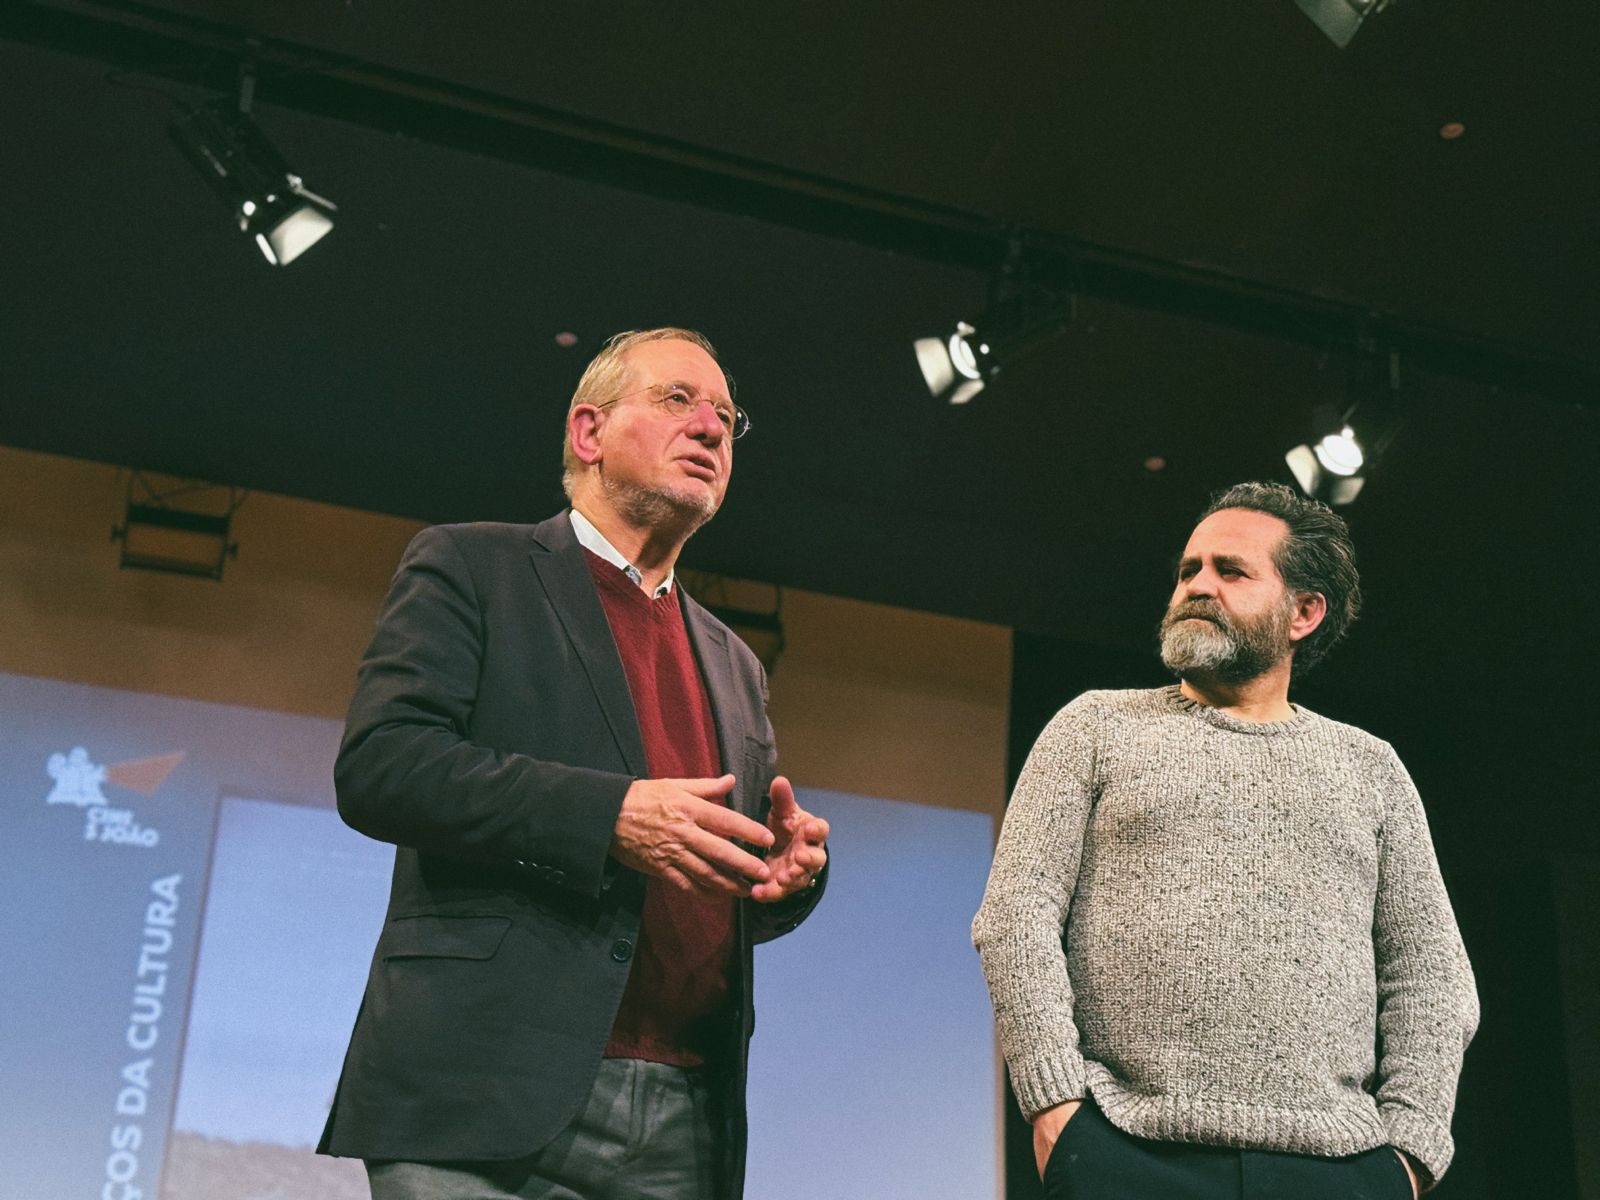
column 144, row 775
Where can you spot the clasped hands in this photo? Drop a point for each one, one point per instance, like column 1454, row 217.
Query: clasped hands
column 676, row 830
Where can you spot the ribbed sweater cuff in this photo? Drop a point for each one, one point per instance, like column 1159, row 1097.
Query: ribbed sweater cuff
column 1423, row 1138
column 1049, row 1083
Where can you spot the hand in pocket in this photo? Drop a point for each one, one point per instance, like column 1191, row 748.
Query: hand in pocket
column 1047, row 1127
column 1411, row 1172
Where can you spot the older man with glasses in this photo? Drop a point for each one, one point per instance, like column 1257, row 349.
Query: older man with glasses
column 574, row 763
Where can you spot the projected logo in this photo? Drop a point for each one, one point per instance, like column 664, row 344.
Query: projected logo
column 79, row 782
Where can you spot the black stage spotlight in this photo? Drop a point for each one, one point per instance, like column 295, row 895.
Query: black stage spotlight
column 1334, row 468
column 269, row 201
column 1340, row 19
column 957, row 368
column 1331, row 470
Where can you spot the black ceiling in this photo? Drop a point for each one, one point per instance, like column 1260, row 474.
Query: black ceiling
column 1235, row 201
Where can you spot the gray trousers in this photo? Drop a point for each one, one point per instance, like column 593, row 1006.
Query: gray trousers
column 647, row 1133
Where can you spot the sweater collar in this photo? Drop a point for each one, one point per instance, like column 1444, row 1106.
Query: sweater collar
column 1302, row 720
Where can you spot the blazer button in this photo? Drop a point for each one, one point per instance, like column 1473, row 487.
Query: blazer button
column 622, row 949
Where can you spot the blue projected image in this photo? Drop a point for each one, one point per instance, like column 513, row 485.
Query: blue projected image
column 874, row 1059
column 199, row 952
column 108, row 826
column 295, row 904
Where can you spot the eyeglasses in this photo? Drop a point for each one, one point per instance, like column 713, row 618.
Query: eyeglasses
column 681, row 401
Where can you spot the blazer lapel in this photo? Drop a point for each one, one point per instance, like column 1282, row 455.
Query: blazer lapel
column 710, row 643
column 558, row 562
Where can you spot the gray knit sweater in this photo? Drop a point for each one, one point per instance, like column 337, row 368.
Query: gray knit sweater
column 1229, row 933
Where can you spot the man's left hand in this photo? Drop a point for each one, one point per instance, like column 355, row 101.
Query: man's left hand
column 799, row 850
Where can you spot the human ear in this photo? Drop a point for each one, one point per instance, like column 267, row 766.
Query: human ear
column 583, row 432
column 1309, row 609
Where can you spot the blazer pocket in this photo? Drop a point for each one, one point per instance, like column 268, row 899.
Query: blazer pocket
column 444, row 937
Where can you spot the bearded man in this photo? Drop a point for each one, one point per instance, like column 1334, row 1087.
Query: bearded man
column 574, row 762
column 1221, row 956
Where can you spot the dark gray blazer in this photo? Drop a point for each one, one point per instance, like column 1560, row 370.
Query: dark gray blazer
column 491, row 738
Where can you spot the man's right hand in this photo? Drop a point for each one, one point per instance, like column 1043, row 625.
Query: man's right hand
column 1047, row 1127
column 675, row 830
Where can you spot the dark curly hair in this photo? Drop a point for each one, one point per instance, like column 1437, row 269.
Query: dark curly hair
column 1315, row 556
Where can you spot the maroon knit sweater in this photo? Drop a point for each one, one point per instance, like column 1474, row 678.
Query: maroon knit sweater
column 679, row 980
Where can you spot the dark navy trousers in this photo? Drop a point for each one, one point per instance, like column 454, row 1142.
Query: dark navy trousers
column 1094, row 1160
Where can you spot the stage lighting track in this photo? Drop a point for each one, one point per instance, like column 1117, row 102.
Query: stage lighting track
column 131, row 37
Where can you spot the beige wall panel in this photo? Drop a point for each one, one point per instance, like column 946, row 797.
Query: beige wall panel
column 283, row 630
column 891, row 703
column 866, row 699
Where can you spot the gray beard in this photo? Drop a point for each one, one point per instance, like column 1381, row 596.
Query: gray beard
column 658, row 508
column 1228, row 651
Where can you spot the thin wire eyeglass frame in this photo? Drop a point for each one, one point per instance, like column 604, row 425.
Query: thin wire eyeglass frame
column 681, row 401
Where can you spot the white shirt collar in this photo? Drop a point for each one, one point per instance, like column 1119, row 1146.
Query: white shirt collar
column 592, row 540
